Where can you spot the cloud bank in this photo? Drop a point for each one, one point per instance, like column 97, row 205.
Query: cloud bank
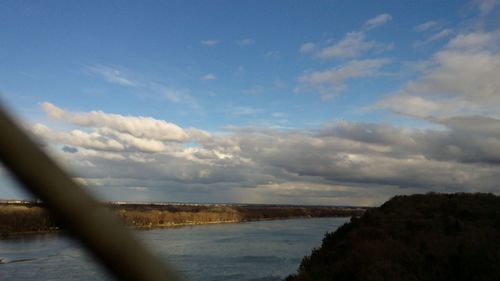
column 339, row 162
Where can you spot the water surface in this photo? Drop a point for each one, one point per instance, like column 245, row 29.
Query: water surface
column 262, row 250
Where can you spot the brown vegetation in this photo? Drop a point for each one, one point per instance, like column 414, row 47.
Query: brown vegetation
column 24, row 219
column 159, row 218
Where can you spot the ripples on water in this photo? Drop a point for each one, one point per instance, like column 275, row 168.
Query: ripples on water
column 254, row 251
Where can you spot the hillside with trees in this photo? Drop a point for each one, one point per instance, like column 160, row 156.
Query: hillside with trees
column 418, row 237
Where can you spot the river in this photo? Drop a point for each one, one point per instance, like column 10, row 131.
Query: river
column 252, row 251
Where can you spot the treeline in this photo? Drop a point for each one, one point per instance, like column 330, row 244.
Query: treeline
column 249, row 212
column 418, row 237
column 32, row 217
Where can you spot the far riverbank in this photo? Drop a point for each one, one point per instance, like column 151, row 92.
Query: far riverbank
column 31, row 218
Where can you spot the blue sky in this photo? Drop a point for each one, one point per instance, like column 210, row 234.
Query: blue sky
column 244, row 70
column 47, row 51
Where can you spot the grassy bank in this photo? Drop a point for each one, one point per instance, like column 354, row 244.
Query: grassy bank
column 33, row 218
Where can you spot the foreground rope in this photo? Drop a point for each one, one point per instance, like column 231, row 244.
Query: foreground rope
column 97, row 229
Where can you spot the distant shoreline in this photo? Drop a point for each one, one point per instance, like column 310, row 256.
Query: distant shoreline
column 31, row 218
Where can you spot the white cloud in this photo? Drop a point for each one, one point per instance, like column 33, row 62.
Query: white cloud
column 307, row 47
column 210, row 42
column 180, row 97
column 330, row 81
column 138, row 126
column 78, row 138
column 351, row 46
column 460, row 79
column 245, row 42
column 487, row 6
column 475, row 42
column 378, row 20
column 140, row 143
column 440, row 35
column 410, row 105
column 208, row 77
column 428, row 25
column 111, row 75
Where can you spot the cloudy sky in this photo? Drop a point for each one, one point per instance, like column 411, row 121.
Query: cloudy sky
column 324, row 102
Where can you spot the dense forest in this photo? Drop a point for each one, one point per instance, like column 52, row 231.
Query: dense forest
column 18, row 218
column 418, row 237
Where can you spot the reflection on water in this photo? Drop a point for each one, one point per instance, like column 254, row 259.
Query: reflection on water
column 265, row 250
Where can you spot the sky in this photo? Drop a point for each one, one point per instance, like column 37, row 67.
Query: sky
column 287, row 102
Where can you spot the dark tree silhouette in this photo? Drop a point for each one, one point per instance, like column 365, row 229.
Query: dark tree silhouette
column 418, row 237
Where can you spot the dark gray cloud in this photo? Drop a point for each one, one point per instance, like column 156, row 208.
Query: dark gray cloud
column 69, row 149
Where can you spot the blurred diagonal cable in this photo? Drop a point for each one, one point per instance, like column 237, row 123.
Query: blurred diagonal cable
column 98, row 230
